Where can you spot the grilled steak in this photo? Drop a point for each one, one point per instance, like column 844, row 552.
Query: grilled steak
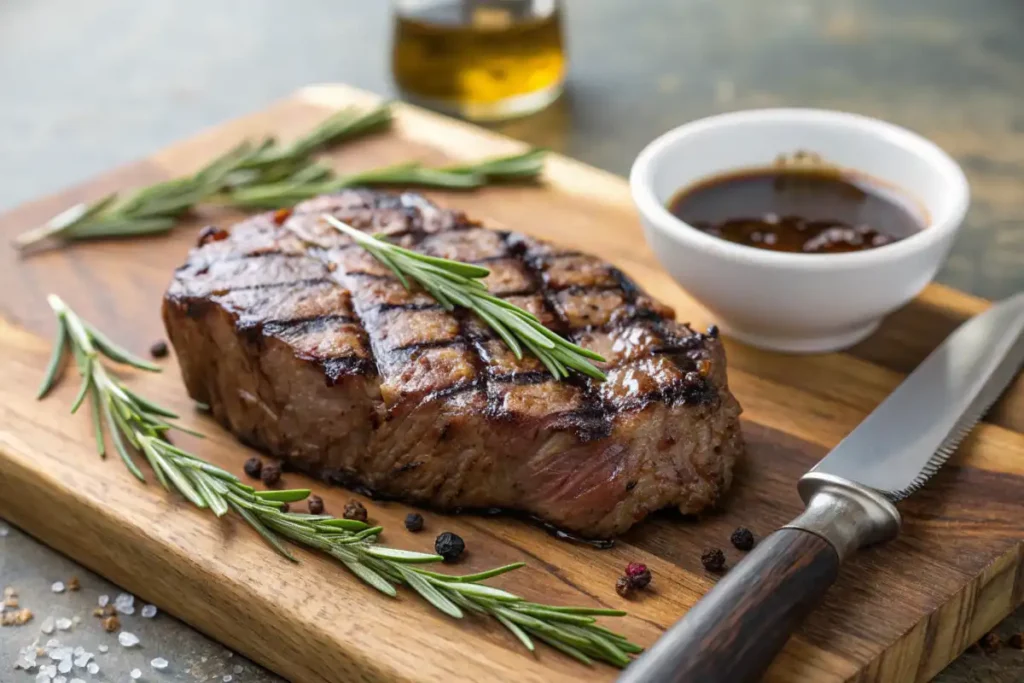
column 306, row 347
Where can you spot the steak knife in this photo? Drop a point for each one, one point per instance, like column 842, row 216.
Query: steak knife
column 734, row 632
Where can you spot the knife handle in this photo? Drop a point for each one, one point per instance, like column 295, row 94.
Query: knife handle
column 733, row 633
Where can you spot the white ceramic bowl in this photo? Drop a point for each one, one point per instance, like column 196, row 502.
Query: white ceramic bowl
column 787, row 301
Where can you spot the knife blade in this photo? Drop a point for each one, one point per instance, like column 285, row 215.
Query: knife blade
column 734, row 632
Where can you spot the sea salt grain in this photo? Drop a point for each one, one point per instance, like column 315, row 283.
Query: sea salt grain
column 238, row 668
column 103, row 600
column 47, row 626
column 43, row 677
column 159, row 663
column 79, row 651
column 76, row 680
column 64, row 624
column 136, row 674
column 57, row 587
column 148, row 611
column 93, row 668
column 60, row 679
column 83, row 659
column 127, row 639
column 103, row 648
column 64, row 666
column 52, row 642
column 227, row 678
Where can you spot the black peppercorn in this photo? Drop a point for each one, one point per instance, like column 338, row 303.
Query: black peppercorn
column 315, row 504
column 1016, row 641
column 158, row 349
column 354, row 510
column 624, row 586
column 285, row 507
column 253, row 467
column 990, row 643
column 449, row 546
column 713, row 331
column 713, row 559
column 742, row 538
column 414, row 521
column 271, row 473
column 693, row 380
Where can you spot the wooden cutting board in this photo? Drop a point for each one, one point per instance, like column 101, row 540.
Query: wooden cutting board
column 898, row 613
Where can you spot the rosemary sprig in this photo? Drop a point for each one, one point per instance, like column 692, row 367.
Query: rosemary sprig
column 158, row 208
column 138, row 425
column 454, row 283
column 514, row 168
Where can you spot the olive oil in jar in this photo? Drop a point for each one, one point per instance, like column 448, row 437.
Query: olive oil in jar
column 479, row 59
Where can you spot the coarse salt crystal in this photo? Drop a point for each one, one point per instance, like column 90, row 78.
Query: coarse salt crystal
column 59, row 653
column 103, row 600
column 238, row 668
column 93, row 668
column 43, row 677
column 60, row 679
column 227, row 678
column 57, row 587
column 78, row 651
column 64, row 624
column 52, row 642
column 124, row 599
column 64, row 666
column 136, row 674
column 47, row 626
column 24, row 663
column 102, row 648
column 127, row 639
column 148, row 611
column 50, row 670
column 76, row 680
column 83, row 659
column 159, row 663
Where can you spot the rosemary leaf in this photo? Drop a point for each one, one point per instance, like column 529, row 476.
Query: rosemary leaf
column 284, row 496
column 403, row 556
column 53, row 367
column 429, row 592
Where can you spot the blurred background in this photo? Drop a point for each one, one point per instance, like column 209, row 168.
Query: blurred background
column 85, row 86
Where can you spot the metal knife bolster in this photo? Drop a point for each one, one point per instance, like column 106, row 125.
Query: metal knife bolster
column 847, row 515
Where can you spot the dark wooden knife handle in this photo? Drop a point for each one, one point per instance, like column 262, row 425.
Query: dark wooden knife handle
column 735, row 631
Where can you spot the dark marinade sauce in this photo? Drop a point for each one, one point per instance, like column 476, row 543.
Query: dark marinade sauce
column 799, row 210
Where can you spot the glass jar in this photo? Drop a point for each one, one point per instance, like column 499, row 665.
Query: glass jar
column 483, row 60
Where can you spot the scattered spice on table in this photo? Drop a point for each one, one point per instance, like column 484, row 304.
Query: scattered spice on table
column 638, row 574
column 74, row 584
column 742, row 538
column 17, row 617
column 355, row 510
column 990, row 643
column 414, row 522
column 624, row 587
column 158, row 349
column 449, row 546
column 315, row 504
column 253, row 467
column 271, row 473
column 713, row 559
column 111, row 624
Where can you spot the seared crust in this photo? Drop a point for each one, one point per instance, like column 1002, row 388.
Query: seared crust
column 307, row 347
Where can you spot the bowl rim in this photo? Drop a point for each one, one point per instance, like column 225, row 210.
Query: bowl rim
column 938, row 229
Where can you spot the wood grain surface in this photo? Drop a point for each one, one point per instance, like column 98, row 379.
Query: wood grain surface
column 897, row 613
